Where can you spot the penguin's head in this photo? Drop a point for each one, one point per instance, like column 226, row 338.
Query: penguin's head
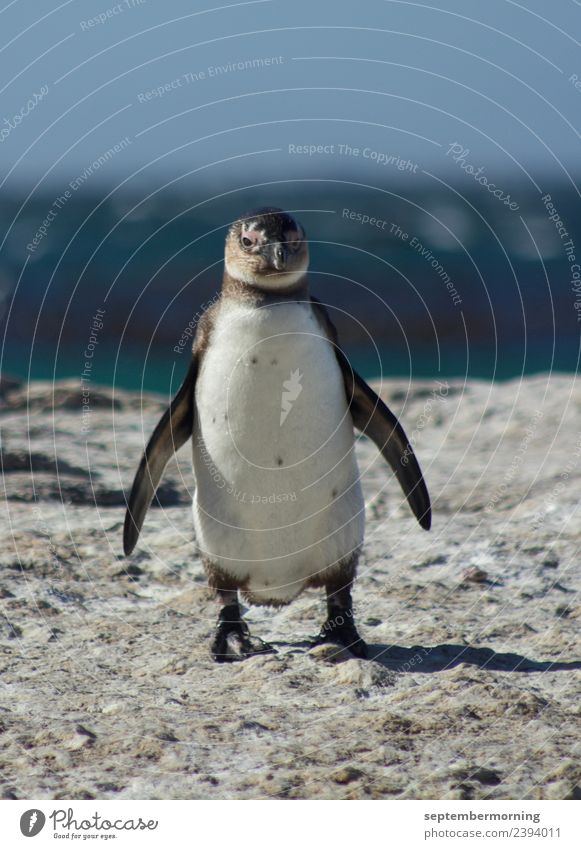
column 267, row 248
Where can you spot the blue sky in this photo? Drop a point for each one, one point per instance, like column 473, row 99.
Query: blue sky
column 402, row 81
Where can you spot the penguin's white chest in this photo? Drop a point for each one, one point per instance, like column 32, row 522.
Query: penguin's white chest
column 278, row 498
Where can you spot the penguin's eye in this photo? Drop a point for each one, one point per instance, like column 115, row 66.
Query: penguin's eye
column 246, row 241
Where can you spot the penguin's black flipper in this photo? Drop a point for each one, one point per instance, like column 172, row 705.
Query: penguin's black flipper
column 173, row 430
column 373, row 418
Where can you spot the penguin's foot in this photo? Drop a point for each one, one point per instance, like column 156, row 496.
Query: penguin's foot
column 339, row 628
column 233, row 641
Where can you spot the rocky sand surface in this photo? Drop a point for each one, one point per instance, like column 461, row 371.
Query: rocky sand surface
column 473, row 690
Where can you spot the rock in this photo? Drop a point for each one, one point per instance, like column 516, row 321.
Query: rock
column 85, row 732
column 8, row 385
column 331, row 653
column 83, row 738
column 473, row 687
column 488, row 777
column 474, row 575
column 24, row 461
column 346, row 775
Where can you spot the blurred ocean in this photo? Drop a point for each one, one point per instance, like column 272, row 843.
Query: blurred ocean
column 441, row 284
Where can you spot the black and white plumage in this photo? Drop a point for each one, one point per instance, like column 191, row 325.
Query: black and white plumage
column 270, row 402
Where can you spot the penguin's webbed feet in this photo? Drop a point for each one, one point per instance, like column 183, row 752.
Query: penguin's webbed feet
column 232, row 639
column 340, row 628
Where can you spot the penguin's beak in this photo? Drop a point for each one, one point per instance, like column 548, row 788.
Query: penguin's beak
column 277, row 256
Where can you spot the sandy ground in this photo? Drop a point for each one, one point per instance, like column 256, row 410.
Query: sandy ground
column 107, row 687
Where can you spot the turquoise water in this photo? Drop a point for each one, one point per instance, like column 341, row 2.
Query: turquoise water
column 515, row 311
column 162, row 371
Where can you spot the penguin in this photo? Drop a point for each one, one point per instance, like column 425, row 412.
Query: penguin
column 270, row 403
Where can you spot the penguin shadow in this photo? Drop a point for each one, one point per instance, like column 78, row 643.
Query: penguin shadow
column 429, row 659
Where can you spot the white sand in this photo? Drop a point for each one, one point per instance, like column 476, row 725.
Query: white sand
column 474, row 691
